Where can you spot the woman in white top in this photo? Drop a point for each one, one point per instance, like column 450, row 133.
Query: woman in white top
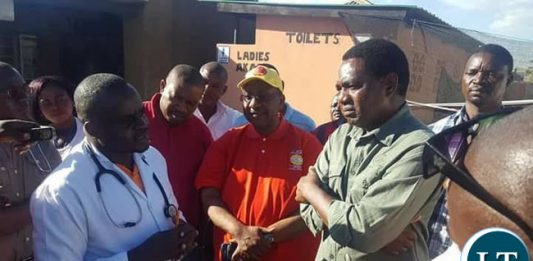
column 53, row 105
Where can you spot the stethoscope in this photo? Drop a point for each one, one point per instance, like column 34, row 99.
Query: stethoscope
column 170, row 210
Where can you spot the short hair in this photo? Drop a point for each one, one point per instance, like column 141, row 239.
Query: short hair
column 500, row 53
column 215, row 68
column 382, row 57
column 187, row 74
column 40, row 84
column 92, row 90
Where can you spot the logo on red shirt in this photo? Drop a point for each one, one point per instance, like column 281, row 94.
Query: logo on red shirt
column 296, row 160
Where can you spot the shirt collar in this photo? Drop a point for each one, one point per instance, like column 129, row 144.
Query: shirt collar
column 108, row 164
column 278, row 133
column 387, row 132
column 461, row 116
column 221, row 110
column 154, row 103
column 99, row 155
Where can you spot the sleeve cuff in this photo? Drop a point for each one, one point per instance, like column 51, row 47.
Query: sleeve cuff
column 338, row 223
column 311, row 219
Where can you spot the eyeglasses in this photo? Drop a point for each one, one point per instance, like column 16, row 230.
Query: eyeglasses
column 444, row 153
column 127, row 121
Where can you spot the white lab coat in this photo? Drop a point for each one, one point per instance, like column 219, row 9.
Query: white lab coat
column 70, row 222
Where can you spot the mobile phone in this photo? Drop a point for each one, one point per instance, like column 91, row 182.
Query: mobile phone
column 42, row 133
column 227, row 250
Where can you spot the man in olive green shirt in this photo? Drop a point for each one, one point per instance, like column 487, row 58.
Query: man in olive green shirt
column 367, row 186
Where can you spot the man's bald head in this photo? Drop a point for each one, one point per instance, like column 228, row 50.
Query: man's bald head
column 9, row 76
column 215, row 69
column 501, row 160
column 180, row 92
column 184, row 74
column 100, row 92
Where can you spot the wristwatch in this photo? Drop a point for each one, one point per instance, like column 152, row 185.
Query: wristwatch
column 268, row 237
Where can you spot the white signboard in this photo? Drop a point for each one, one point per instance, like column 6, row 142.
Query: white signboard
column 223, row 54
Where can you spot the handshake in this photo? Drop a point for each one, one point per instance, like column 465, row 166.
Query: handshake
column 251, row 244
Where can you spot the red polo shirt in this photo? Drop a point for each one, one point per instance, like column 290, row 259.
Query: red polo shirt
column 183, row 147
column 257, row 178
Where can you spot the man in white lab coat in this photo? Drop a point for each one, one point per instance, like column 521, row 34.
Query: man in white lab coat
column 111, row 199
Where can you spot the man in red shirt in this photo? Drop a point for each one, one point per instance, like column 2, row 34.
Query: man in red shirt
column 181, row 138
column 248, row 177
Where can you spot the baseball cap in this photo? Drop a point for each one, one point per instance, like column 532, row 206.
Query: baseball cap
column 265, row 74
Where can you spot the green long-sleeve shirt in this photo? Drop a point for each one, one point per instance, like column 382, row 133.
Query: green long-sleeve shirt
column 376, row 180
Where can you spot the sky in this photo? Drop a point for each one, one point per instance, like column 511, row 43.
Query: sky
column 509, row 18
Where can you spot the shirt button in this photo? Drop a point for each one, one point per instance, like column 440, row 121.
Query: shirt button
column 263, row 151
column 331, row 256
column 15, row 171
column 18, row 195
column 3, row 168
column 264, row 139
column 27, row 239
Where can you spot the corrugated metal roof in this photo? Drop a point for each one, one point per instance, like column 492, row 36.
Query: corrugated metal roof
column 404, row 12
column 310, row 5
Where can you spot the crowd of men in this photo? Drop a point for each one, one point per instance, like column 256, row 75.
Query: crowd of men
column 183, row 176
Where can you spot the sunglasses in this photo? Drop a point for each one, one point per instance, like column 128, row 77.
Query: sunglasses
column 444, row 153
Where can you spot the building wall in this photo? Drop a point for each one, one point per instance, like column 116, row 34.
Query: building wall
column 436, row 66
column 306, row 51
column 309, row 65
column 65, row 40
column 166, row 33
column 140, row 41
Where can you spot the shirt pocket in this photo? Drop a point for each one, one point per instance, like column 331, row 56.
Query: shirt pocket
column 333, row 179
